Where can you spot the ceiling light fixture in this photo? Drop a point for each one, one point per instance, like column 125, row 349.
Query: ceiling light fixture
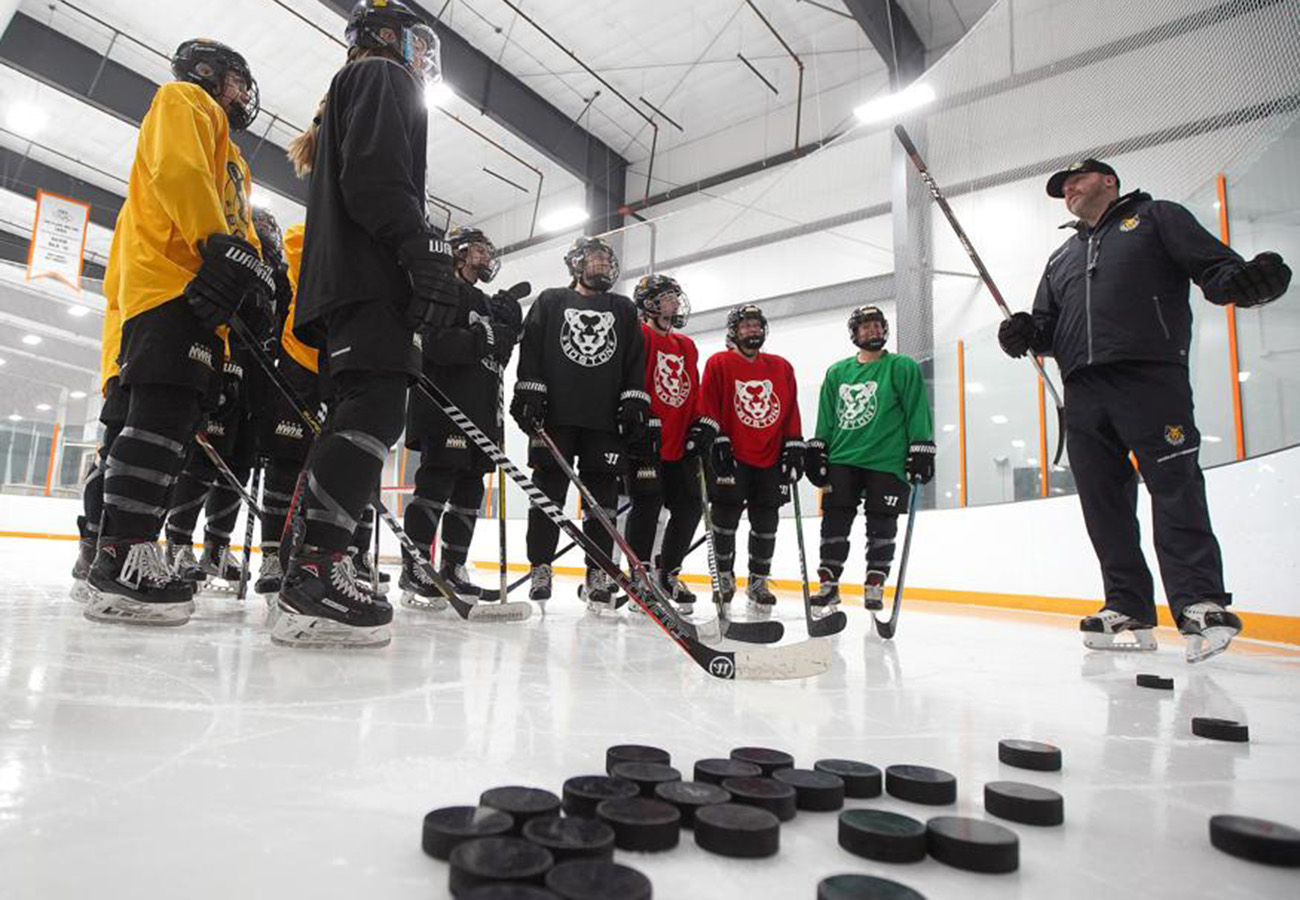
column 26, row 119
column 31, row 340
column 563, row 219
column 891, row 106
column 259, row 197
column 44, row 407
column 999, row 419
column 438, row 94
column 77, row 395
column 14, row 417
column 76, row 310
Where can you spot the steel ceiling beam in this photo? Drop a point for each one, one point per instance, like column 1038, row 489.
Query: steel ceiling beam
column 892, row 34
column 24, row 175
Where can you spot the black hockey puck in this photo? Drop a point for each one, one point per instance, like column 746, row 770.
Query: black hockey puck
column 522, row 803
column 921, row 784
column 864, row 887
column 497, row 859
column 507, row 891
column 880, row 835
column 642, row 824
column 745, row 832
column 1257, row 840
column 716, row 771
column 813, row 791
column 1159, row 682
column 972, row 844
column 1220, row 729
column 634, row 753
column 1033, row 755
column 765, row 793
column 583, row 793
column 689, row 796
column 572, row 837
column 767, row 760
column 1028, row 804
column 862, row 781
column 591, row 880
column 452, row 825
column 646, row 776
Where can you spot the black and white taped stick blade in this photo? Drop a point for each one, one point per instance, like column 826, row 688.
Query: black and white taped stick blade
column 804, row 659
column 513, row 611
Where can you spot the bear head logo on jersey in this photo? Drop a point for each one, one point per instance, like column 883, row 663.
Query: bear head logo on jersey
column 857, row 405
column 672, row 385
column 757, row 405
column 588, row 337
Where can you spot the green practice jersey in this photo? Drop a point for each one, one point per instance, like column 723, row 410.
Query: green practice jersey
column 870, row 412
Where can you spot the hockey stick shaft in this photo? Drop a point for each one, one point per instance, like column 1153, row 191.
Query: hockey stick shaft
column 886, row 629
column 942, row 202
column 211, row 452
column 708, row 536
column 255, row 490
column 803, row 554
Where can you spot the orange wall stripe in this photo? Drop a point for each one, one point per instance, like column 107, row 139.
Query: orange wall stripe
column 54, row 452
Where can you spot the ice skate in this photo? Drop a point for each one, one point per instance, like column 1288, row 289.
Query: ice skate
column 681, row 596
column 418, row 589
column 598, row 591
column 457, row 576
column 761, row 599
column 81, row 590
column 828, row 594
column 133, row 586
column 539, row 583
column 365, row 572
column 1110, row 629
column 321, row 605
column 873, row 590
column 183, row 564
column 1209, row 628
column 270, row 576
column 221, row 568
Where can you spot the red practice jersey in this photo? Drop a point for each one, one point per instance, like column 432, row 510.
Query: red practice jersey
column 672, row 379
column 753, row 402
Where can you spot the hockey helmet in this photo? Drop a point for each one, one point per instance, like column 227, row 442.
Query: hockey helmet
column 207, row 63
column 577, row 259
column 739, row 314
column 461, row 239
column 650, row 292
column 862, row 315
column 391, row 25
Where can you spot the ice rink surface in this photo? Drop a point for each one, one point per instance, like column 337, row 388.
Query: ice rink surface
column 203, row 762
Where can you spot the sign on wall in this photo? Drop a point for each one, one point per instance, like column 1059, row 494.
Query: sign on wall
column 58, row 245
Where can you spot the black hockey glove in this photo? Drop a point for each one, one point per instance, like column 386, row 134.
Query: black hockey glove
column 434, row 294
column 792, row 459
column 528, row 408
column 699, row 438
column 505, row 305
column 818, row 463
column 724, row 461
column 1260, row 281
column 231, row 269
column 1017, row 334
column 920, row 462
column 633, row 416
column 652, row 441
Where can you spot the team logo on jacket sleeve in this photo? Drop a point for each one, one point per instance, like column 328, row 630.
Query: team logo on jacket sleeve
column 587, row 337
column 757, row 405
column 857, row 406
column 672, row 385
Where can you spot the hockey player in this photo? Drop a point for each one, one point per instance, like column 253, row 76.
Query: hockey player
column 184, row 256
column 374, row 274
column 466, row 360
column 662, row 473
column 582, row 376
column 749, row 415
column 874, row 435
column 1112, row 309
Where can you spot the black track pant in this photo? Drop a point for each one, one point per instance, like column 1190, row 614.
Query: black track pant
column 1145, row 408
column 145, row 459
column 366, row 416
column 450, row 497
column 677, row 487
column 837, row 522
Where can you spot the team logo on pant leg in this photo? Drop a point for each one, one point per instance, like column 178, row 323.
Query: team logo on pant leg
column 588, row 337
column 1175, row 435
column 857, row 406
column 672, row 385
column 757, row 405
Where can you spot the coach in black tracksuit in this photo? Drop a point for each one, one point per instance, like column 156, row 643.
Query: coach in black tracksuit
column 1113, row 308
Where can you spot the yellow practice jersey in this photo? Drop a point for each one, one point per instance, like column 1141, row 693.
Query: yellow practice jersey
column 188, row 181
column 300, row 353
column 110, row 341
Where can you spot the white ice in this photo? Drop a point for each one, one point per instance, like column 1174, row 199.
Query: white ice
column 203, row 762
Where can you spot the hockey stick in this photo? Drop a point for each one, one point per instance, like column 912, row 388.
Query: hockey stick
column 248, row 532
column 468, row 611
column 558, row 553
column 211, row 452
column 752, row 632
column 801, row 660
column 886, row 629
column 823, row 626
column 915, row 155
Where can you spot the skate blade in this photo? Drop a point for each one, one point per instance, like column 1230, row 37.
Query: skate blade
column 822, row 612
column 1211, row 643
column 117, row 610
column 517, row 611
column 81, row 591
column 760, row 612
column 1143, row 641
column 412, row 600
column 293, row 629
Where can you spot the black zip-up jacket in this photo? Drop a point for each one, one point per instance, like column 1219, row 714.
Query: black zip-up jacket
column 1119, row 292
column 366, row 194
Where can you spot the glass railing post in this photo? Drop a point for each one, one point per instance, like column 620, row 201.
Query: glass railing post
column 1234, row 364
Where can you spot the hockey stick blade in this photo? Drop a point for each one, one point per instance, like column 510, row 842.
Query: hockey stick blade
column 886, row 629
column 818, row 627
column 788, row 661
column 825, row 626
column 768, row 632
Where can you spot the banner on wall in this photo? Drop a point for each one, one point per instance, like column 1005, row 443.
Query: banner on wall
column 58, row 245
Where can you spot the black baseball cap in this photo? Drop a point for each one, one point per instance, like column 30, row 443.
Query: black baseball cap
column 1056, row 184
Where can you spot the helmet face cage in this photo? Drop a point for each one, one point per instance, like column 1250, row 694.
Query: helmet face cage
column 576, row 261
column 461, row 239
column 739, row 314
column 208, row 64
column 868, row 314
column 391, row 25
column 270, row 236
column 649, row 294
